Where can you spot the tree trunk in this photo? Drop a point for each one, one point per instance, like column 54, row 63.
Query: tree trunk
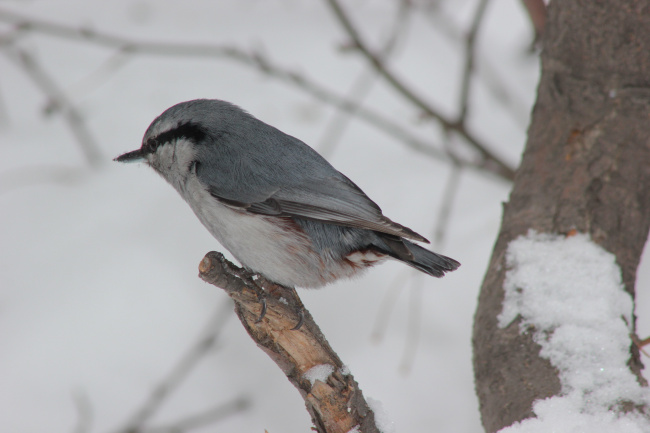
column 586, row 167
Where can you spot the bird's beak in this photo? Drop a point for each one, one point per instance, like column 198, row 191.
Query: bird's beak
column 133, row 156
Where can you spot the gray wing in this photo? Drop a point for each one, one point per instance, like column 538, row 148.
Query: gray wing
column 334, row 200
column 259, row 169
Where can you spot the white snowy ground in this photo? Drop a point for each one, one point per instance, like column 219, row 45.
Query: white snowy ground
column 98, row 289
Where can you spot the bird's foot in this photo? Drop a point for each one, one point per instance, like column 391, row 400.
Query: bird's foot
column 286, row 295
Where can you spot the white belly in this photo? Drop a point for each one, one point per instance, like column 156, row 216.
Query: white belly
column 268, row 245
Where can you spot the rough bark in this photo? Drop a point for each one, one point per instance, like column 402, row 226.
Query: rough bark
column 337, row 405
column 586, row 167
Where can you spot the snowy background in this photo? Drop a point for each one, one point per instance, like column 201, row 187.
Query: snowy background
column 99, row 294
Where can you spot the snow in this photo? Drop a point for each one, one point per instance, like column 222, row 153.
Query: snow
column 559, row 415
column 319, row 372
column 382, row 420
column 568, row 292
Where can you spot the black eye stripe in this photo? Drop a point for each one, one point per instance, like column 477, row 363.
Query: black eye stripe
column 188, row 130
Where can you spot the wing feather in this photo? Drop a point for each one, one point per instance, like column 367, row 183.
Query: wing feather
column 358, row 211
column 291, row 180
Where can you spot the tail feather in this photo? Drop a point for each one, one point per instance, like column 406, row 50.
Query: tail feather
column 429, row 262
column 420, row 258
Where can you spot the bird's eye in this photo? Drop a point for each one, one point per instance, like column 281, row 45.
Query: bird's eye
column 150, row 146
column 194, row 166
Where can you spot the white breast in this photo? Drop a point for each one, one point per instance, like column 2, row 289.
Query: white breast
column 257, row 241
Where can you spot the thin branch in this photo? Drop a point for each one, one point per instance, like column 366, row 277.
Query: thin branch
column 180, row 371
column 4, row 113
column 485, row 71
column 16, row 178
column 101, row 74
column 446, row 205
column 397, row 285
column 204, row 418
column 261, row 63
column 412, row 341
column 84, row 412
column 371, row 117
column 490, row 161
column 537, row 13
column 388, row 303
column 416, row 305
column 252, row 59
column 363, row 84
column 58, row 100
column 470, row 55
column 334, row 400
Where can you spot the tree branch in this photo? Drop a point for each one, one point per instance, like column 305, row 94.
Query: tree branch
column 336, row 404
column 363, row 84
column 58, row 100
column 470, row 54
column 263, row 64
column 202, row 419
column 180, row 372
column 536, row 10
column 485, row 71
column 489, row 158
column 84, row 412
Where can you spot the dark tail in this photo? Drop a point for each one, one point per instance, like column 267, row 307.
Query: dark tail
column 419, row 258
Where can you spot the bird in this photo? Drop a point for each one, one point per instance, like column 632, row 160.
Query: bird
column 277, row 205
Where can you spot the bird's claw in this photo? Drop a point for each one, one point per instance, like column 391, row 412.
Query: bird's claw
column 262, row 294
column 301, row 319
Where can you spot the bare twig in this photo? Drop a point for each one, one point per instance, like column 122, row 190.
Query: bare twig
column 333, row 399
column 489, row 162
column 412, row 341
column 180, row 372
column 470, row 55
column 416, row 305
column 371, row 117
column 363, row 84
column 16, row 178
column 101, row 74
column 4, row 113
column 397, row 285
column 484, row 69
column 640, row 344
column 387, row 305
column 444, row 210
column 59, row 101
column 537, row 12
column 84, row 412
column 202, row 419
column 264, row 65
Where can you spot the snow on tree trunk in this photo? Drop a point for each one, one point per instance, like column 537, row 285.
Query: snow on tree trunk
column 586, row 169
